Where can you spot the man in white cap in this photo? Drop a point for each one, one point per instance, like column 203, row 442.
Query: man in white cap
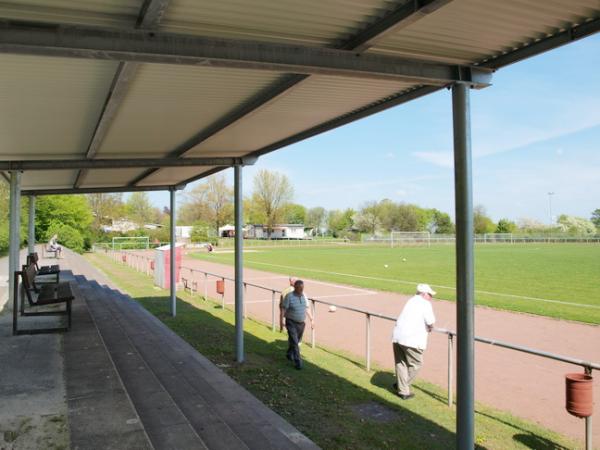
column 410, row 338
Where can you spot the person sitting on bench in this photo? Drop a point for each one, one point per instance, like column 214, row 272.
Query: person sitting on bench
column 54, row 247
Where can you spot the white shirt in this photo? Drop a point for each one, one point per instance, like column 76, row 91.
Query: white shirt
column 411, row 326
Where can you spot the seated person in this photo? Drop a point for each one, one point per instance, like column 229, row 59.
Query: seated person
column 54, row 246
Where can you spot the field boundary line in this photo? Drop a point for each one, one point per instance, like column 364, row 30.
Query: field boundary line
column 391, row 280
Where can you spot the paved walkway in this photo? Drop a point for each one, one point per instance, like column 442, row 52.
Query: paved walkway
column 528, row 386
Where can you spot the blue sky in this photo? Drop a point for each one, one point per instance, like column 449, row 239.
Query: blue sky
column 536, row 130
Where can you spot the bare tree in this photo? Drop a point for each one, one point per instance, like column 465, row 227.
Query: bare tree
column 105, row 207
column 211, row 202
column 272, row 191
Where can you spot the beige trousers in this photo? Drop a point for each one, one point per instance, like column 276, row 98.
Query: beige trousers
column 408, row 362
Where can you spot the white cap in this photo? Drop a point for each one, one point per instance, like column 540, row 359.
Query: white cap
column 423, row 288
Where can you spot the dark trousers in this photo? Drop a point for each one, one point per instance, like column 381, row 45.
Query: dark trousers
column 295, row 331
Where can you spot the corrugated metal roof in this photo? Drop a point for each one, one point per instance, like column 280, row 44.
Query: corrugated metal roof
column 173, row 175
column 110, row 177
column 316, row 100
column 314, row 22
column 166, row 105
column 49, row 106
column 48, row 179
column 88, row 12
column 469, row 31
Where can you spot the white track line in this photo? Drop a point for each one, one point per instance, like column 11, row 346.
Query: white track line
column 520, row 297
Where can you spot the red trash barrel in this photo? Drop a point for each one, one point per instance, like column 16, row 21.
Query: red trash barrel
column 579, row 394
column 221, row 287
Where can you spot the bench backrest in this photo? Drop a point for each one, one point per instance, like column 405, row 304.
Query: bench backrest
column 28, row 283
column 33, row 258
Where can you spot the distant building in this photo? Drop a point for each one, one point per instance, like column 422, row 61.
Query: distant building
column 120, row 226
column 183, row 233
column 279, row 231
column 227, row 231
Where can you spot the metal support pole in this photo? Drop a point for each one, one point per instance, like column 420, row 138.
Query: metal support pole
column 368, row 342
column 205, row 286
column 173, row 281
column 313, row 341
column 31, row 225
column 13, row 233
column 239, row 265
column 273, row 311
column 465, row 401
column 450, row 368
column 588, row 423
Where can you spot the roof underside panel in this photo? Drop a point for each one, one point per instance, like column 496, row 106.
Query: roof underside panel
column 166, row 105
column 312, row 22
column 314, row 101
column 48, row 179
column 49, row 106
column 82, row 12
column 109, row 177
column 470, row 31
column 173, row 175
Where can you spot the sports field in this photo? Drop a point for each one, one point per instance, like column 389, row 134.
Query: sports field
column 556, row 280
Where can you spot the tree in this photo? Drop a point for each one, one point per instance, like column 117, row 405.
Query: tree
column 315, row 218
column 368, row 219
column 140, row 210
column 482, row 224
column 295, row 214
column 576, row 226
column 441, row 223
column 506, row 226
column 272, row 191
column 211, row 202
column 105, row 208
column 340, row 222
column 55, row 210
column 596, row 218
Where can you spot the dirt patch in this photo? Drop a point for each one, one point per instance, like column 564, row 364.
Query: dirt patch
column 375, row 411
column 34, row 432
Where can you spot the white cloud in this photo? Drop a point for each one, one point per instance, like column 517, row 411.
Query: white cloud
column 443, row 159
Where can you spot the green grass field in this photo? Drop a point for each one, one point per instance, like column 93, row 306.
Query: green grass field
column 555, row 280
column 321, row 400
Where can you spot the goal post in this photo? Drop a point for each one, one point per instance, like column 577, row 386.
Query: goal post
column 398, row 238
column 131, row 243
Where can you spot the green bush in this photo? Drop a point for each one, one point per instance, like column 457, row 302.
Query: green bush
column 3, row 238
column 67, row 236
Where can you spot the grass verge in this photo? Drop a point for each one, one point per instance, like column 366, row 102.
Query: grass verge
column 333, row 400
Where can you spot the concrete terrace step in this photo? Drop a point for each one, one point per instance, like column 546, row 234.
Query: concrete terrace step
column 220, row 412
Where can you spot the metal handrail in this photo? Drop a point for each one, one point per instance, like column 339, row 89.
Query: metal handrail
column 588, row 366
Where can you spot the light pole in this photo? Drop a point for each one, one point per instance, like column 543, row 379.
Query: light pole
column 550, row 194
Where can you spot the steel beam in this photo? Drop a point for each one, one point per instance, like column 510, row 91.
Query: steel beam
column 239, row 264
column 169, row 48
column 405, row 14
column 173, row 259
column 6, row 177
column 31, row 225
column 543, row 45
column 465, row 290
column 150, row 15
column 14, row 227
column 65, row 164
column 100, row 190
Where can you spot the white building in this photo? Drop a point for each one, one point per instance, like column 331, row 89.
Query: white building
column 120, row 226
column 279, row 231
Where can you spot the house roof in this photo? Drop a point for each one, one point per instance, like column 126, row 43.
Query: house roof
column 162, row 80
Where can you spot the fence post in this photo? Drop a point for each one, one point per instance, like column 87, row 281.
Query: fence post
column 205, row 286
column 588, row 422
column 272, row 310
column 450, row 357
column 312, row 329
column 368, row 342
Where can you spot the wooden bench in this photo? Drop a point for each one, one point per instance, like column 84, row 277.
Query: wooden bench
column 49, row 273
column 47, row 249
column 39, row 296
